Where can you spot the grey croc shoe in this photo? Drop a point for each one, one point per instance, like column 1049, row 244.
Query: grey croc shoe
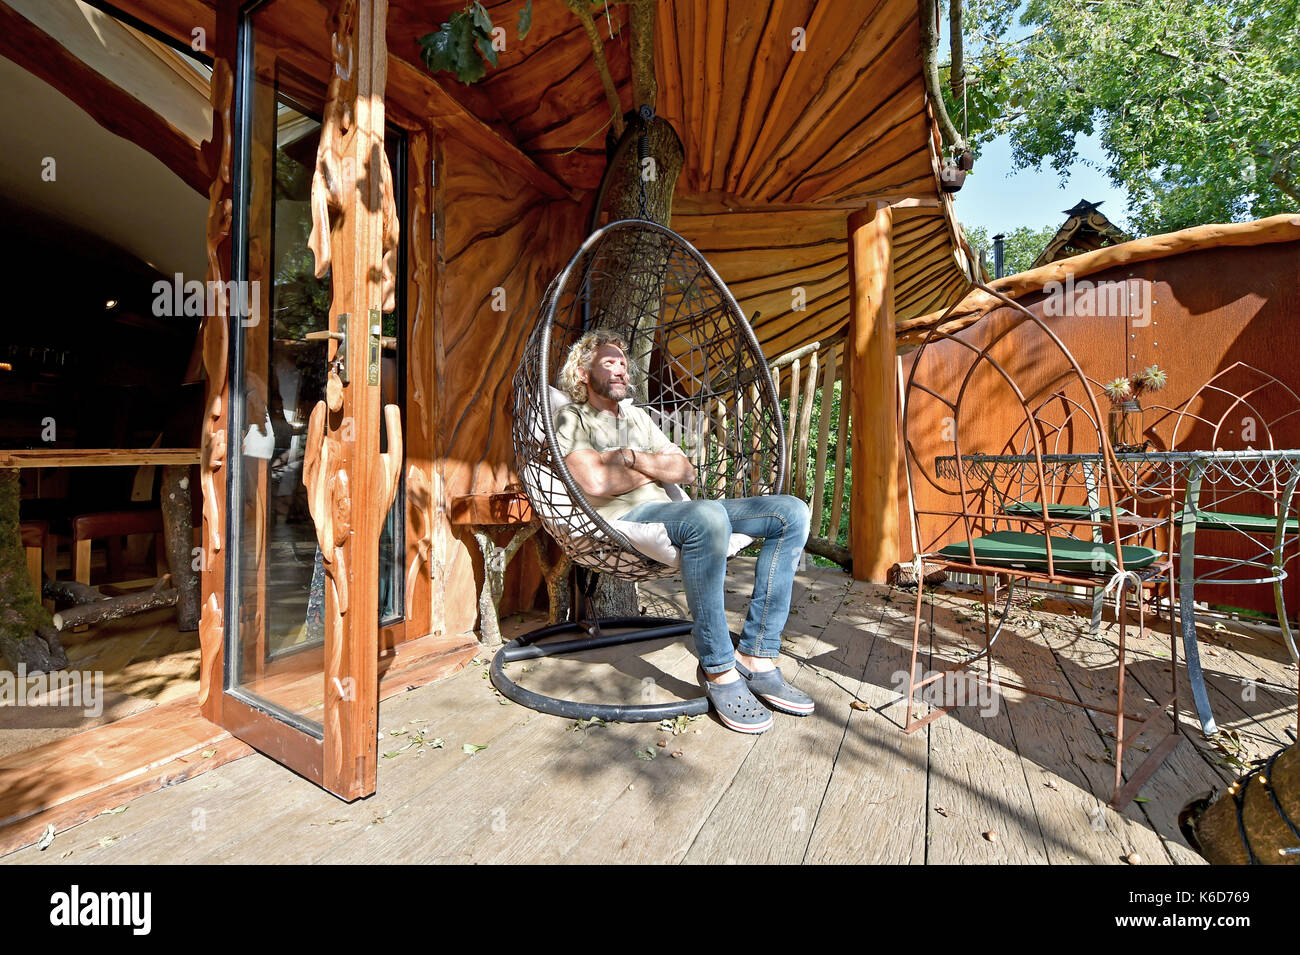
column 737, row 708
column 771, row 686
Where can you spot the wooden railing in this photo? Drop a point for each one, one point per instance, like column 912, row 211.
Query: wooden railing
column 799, row 375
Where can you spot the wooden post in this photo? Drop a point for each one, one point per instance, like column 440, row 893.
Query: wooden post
column 178, row 534
column 873, row 505
column 823, row 439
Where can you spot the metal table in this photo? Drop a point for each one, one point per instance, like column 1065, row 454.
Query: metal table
column 1273, row 473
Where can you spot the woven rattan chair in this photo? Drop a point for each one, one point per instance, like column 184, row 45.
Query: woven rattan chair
column 698, row 371
column 1046, row 504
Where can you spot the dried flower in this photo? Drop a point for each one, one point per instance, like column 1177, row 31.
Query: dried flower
column 1118, row 390
column 1153, row 378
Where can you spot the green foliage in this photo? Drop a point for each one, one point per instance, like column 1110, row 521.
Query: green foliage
column 463, row 45
column 840, row 534
column 1019, row 249
column 1196, row 105
column 21, row 611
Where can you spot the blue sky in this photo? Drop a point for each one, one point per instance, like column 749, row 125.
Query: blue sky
column 1001, row 198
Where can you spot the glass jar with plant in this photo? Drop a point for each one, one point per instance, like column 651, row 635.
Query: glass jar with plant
column 1124, row 427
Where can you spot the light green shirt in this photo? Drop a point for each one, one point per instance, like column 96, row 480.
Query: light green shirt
column 580, row 427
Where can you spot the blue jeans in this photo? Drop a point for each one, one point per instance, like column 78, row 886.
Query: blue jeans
column 701, row 529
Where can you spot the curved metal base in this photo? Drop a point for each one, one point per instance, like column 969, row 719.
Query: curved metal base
column 525, row 648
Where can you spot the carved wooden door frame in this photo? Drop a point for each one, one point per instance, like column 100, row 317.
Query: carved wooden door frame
column 350, row 483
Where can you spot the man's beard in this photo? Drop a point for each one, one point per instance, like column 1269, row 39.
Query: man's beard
column 606, row 389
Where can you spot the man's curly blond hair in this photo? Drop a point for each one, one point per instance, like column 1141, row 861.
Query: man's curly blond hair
column 580, row 356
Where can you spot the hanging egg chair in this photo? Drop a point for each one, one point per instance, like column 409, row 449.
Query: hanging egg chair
column 698, row 371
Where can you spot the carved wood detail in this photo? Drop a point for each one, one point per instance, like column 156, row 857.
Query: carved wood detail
column 214, row 339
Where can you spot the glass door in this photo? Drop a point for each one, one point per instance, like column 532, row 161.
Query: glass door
column 288, row 579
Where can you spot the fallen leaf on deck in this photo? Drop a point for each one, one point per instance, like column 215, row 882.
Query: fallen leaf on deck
column 471, row 748
column 46, row 837
column 941, row 811
column 1051, row 784
column 647, row 753
column 208, row 753
column 113, row 812
column 108, row 840
column 858, row 705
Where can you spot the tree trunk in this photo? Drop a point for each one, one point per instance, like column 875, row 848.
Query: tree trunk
column 621, row 197
column 160, row 595
column 179, row 534
column 27, row 637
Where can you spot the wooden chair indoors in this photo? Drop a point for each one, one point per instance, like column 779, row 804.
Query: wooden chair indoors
column 1059, row 513
column 38, row 546
column 128, row 531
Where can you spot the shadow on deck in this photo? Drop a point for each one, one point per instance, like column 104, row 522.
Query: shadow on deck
column 1022, row 780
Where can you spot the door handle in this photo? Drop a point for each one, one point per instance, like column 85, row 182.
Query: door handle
column 341, row 352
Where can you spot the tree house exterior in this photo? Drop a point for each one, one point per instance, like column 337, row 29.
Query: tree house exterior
column 810, row 178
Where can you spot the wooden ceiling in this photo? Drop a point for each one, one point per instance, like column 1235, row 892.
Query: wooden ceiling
column 781, row 144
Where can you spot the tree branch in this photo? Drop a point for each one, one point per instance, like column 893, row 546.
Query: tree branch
column 645, row 91
column 957, row 70
column 930, row 24
column 579, row 8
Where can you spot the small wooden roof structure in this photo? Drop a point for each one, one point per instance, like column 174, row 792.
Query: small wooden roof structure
column 782, row 139
column 1086, row 230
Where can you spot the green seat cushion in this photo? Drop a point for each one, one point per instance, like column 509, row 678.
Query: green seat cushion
column 1228, row 521
column 1029, row 552
column 1078, row 512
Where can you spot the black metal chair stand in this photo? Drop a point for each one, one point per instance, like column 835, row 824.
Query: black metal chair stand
column 584, row 620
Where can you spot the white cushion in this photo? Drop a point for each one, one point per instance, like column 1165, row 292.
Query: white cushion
column 650, row 539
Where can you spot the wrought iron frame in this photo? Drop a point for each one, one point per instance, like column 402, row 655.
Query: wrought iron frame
column 1113, row 486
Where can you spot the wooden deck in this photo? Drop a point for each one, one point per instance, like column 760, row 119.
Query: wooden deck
column 845, row 785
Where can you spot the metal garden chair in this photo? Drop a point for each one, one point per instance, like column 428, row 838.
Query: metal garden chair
column 1062, row 523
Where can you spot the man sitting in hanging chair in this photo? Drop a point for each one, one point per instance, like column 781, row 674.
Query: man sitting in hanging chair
column 620, row 459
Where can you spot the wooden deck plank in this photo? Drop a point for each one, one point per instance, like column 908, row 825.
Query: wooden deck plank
column 873, row 810
column 306, row 820
column 1064, row 759
column 842, row 786
column 768, row 812
column 980, row 809
column 1185, row 773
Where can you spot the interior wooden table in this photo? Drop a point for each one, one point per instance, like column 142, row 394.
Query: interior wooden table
column 175, row 506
